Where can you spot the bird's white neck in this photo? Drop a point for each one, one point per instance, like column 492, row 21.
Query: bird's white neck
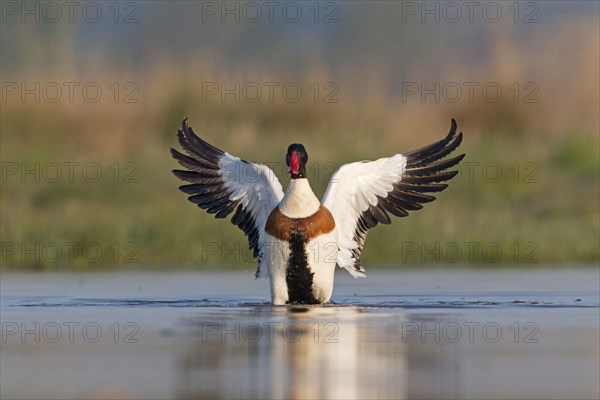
column 299, row 200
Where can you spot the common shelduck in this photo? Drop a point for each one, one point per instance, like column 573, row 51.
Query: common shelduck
column 297, row 239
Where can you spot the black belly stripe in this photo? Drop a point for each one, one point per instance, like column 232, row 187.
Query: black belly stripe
column 298, row 277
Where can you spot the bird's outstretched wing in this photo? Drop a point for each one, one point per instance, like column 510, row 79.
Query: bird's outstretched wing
column 361, row 194
column 221, row 184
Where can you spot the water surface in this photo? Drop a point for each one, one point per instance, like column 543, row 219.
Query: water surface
column 443, row 333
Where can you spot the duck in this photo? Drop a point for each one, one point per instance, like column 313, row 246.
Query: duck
column 297, row 239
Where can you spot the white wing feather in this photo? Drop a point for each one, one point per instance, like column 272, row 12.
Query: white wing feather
column 360, row 194
column 352, row 189
column 221, row 183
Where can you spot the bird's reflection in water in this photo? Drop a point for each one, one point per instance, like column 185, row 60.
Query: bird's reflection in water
column 306, row 352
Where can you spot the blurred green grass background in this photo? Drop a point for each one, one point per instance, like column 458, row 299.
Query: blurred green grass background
column 543, row 209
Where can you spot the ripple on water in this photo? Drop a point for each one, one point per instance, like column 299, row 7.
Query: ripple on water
column 417, row 303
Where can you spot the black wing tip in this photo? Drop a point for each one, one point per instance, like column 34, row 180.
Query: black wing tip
column 452, row 132
column 183, row 128
column 438, row 150
column 429, row 151
column 175, row 153
column 452, row 136
column 452, row 174
column 454, row 160
column 453, row 128
column 180, row 173
column 194, row 145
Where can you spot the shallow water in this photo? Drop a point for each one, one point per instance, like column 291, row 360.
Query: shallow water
column 443, row 333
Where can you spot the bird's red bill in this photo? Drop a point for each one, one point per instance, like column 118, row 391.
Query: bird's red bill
column 294, row 166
